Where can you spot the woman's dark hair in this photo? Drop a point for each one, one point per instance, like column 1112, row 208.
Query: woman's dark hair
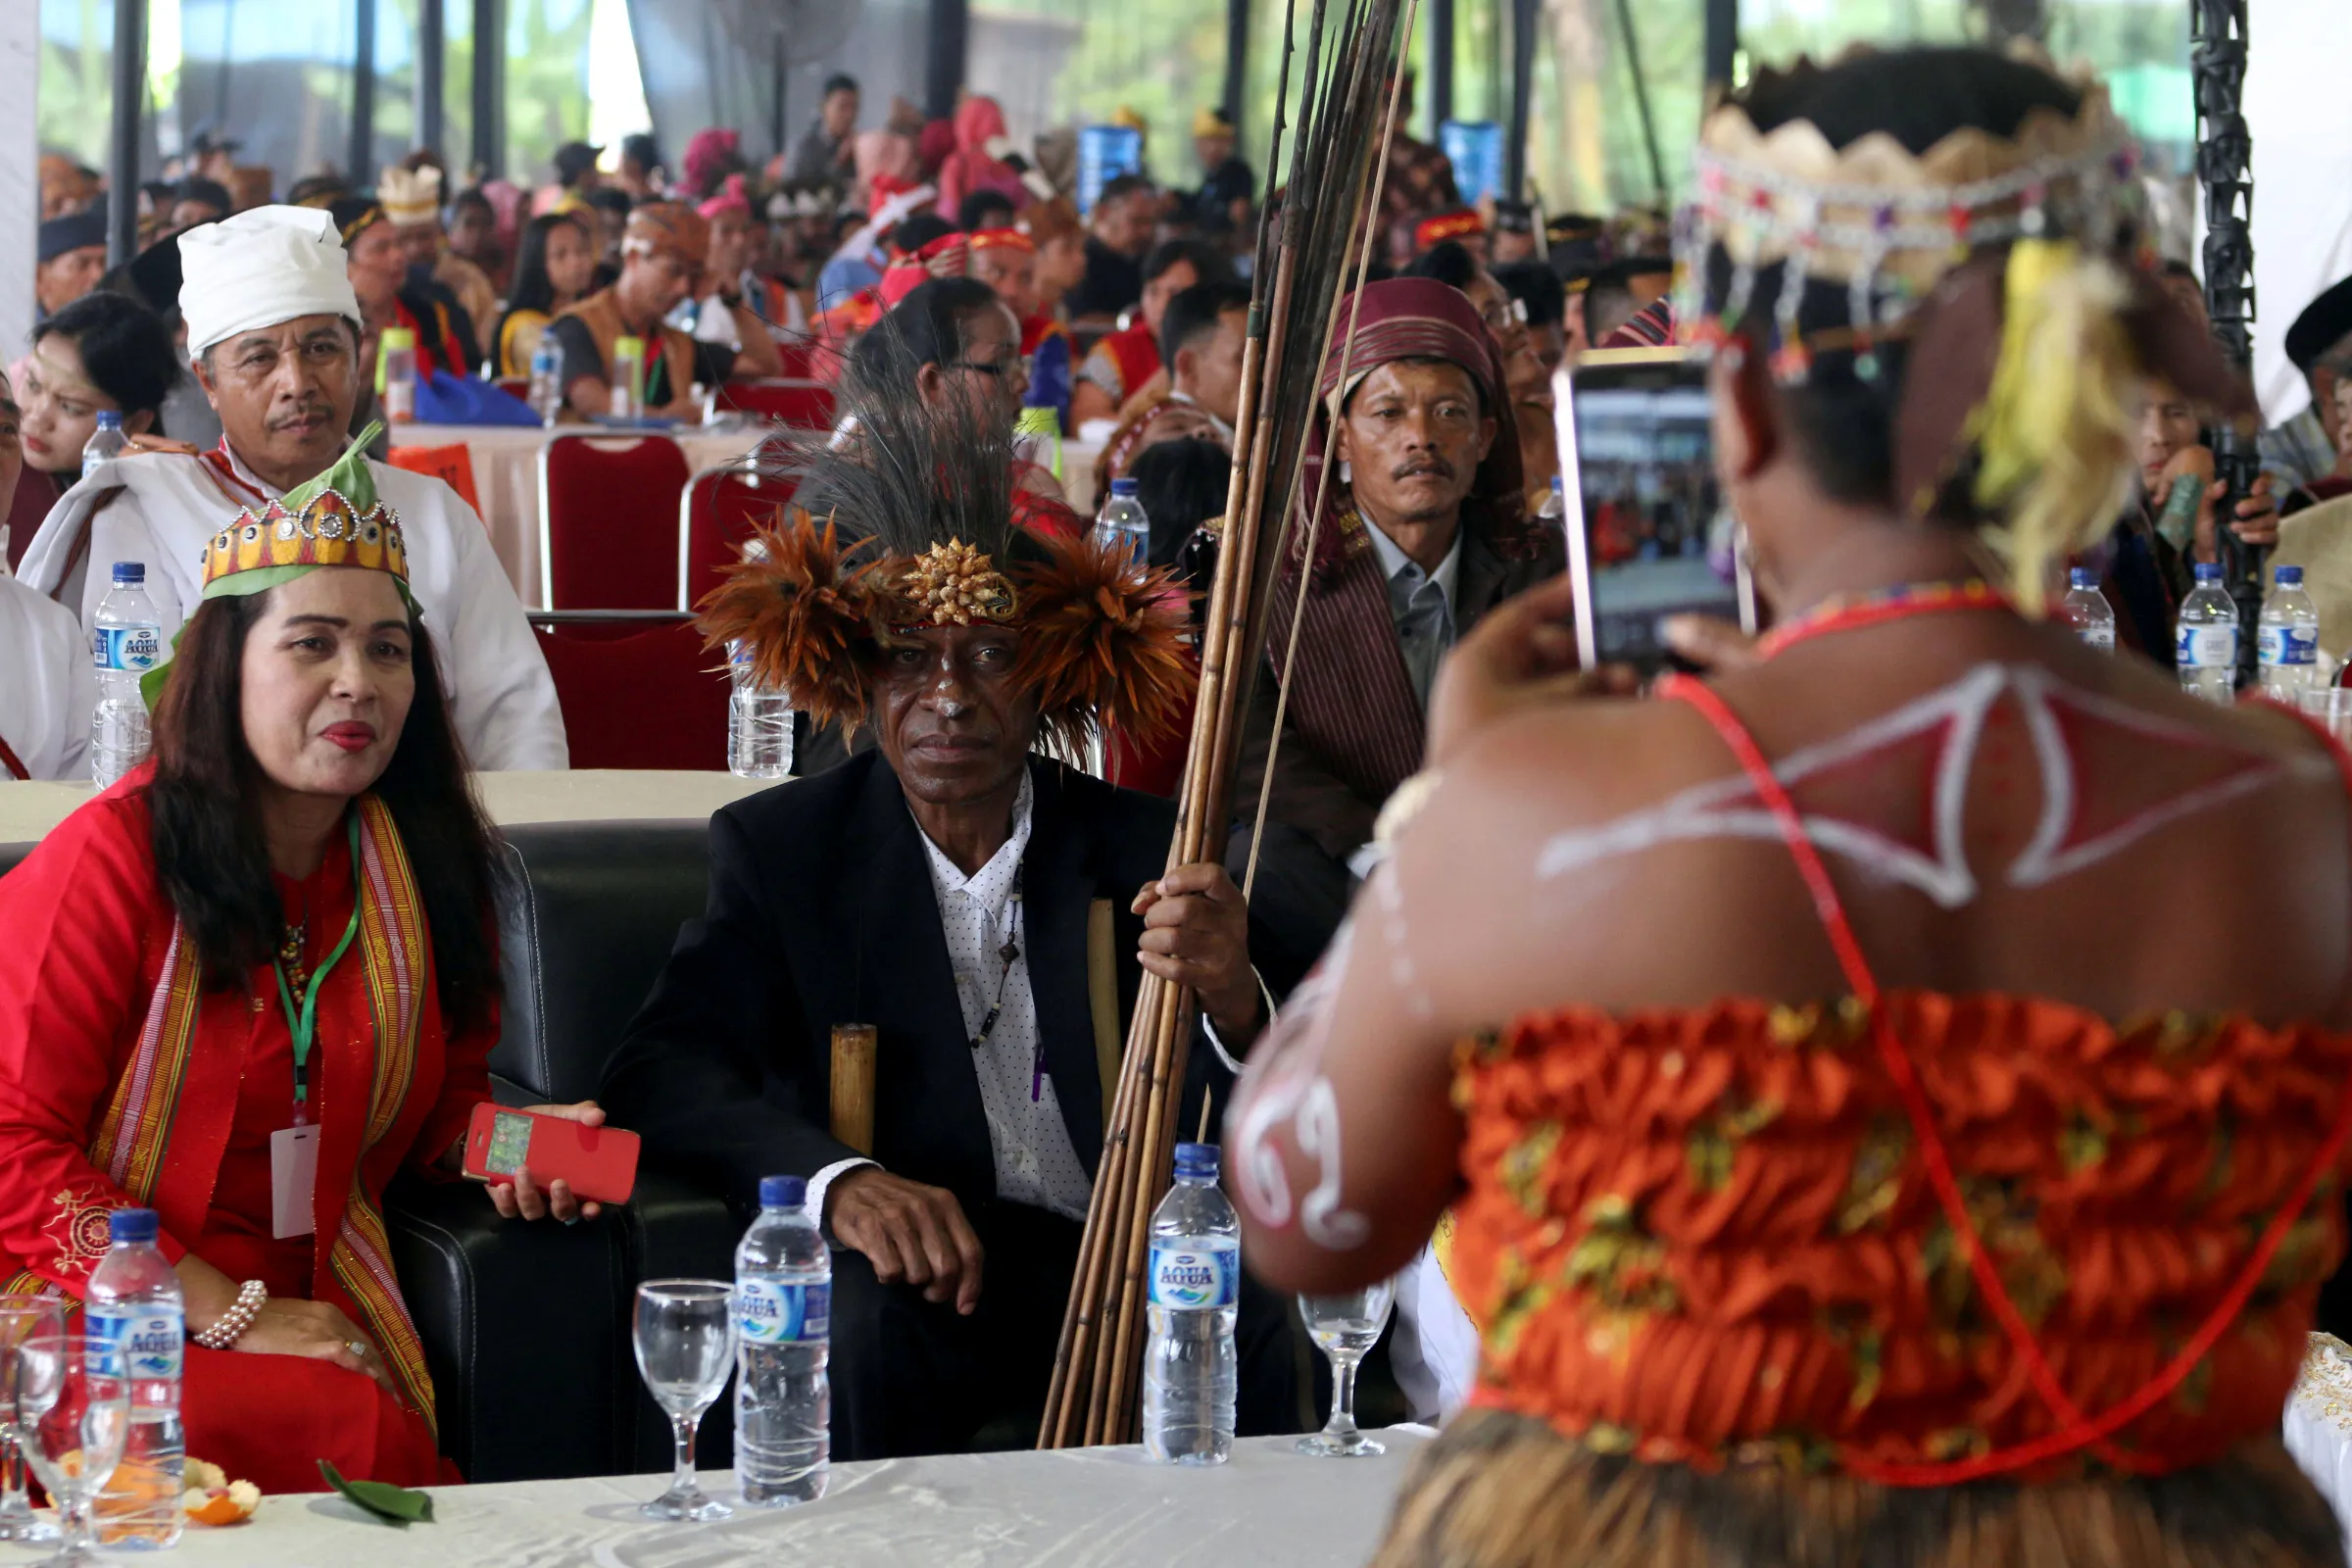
column 125, row 349
column 1209, row 264
column 1449, row 263
column 926, row 327
column 1181, row 484
column 972, row 214
column 1844, row 421
column 206, row 831
column 533, row 290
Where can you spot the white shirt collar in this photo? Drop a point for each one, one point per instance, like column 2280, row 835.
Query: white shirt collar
column 1394, row 561
column 992, row 885
column 269, row 492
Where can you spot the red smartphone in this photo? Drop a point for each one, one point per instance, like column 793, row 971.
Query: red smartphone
column 599, row 1162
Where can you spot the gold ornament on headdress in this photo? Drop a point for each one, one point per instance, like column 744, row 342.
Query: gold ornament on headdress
column 956, row 584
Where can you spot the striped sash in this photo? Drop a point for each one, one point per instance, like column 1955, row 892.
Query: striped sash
column 395, row 953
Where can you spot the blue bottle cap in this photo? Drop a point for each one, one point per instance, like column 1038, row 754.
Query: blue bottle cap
column 2080, row 577
column 783, row 1192
column 110, row 419
column 2209, row 572
column 2290, row 577
column 131, row 575
column 130, row 1225
column 1559, row 487
column 1197, row 1159
column 1122, row 487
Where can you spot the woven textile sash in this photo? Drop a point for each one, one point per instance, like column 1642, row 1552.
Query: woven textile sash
column 395, row 954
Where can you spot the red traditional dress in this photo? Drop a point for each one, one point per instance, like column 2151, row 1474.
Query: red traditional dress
column 1122, row 361
column 128, row 1079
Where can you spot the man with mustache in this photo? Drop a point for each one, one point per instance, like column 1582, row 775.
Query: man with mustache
column 1424, row 529
column 273, row 327
column 986, row 911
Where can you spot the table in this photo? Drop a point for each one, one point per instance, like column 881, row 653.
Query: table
column 29, row 810
column 1078, row 1508
column 505, row 479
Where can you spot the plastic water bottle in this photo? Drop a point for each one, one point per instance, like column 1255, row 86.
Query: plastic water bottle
column 2085, row 609
column 133, row 1299
column 629, row 378
column 2288, row 639
column 783, row 1312
column 2205, row 638
column 547, row 380
column 1190, row 1364
column 759, row 722
column 126, row 641
column 1122, row 524
column 105, row 443
column 400, row 375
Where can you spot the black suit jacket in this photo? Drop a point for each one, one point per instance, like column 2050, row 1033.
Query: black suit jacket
column 821, row 911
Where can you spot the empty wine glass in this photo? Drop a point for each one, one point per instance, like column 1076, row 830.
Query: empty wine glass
column 685, row 1342
column 1345, row 1327
column 74, row 1411
column 21, row 1317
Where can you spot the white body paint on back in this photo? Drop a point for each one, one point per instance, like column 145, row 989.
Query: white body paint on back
column 1295, row 1094
column 1730, row 807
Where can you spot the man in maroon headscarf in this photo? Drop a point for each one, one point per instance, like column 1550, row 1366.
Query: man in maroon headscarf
column 1423, row 530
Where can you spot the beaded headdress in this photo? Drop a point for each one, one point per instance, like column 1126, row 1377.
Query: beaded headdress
column 1884, row 223
column 2001, row 268
column 336, row 519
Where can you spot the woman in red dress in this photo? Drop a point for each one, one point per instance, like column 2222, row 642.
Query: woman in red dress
column 282, row 923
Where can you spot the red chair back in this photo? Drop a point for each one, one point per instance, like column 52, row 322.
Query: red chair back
column 805, row 404
column 609, row 522
column 638, row 693
column 800, row 359
column 722, row 507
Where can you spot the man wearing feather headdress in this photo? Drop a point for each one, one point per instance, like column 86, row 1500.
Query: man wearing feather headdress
column 988, row 910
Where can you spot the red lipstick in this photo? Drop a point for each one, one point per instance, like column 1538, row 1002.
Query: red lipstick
column 351, row 735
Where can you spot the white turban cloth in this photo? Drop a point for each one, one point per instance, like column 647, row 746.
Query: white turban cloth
column 263, row 265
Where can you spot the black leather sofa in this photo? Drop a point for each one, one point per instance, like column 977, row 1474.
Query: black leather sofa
column 526, row 1328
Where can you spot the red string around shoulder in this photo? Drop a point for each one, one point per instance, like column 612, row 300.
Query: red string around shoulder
column 2077, row 1431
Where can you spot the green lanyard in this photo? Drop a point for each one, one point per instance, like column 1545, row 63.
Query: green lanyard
column 304, row 1025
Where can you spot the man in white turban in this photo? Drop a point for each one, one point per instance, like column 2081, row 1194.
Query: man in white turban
column 273, row 330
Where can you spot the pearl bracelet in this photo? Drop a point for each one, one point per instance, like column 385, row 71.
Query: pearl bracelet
column 230, row 1326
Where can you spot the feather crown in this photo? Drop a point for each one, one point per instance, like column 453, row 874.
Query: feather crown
column 911, row 514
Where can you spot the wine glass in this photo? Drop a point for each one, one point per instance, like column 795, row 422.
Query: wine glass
column 21, row 1317
column 1345, row 1327
column 72, row 1413
column 685, row 1338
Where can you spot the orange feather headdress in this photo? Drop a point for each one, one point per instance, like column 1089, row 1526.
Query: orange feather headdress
column 912, row 522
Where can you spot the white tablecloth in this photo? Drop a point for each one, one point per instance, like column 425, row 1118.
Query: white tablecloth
column 1085, row 1508
column 29, row 810
column 505, row 479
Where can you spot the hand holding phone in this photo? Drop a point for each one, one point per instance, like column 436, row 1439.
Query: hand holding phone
column 598, row 1163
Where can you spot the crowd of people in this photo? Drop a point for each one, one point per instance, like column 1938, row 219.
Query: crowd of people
column 1723, row 1228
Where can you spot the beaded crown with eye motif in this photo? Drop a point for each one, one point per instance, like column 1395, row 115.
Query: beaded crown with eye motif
column 336, row 519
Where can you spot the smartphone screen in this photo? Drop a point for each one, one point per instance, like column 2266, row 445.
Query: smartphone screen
column 1648, row 533
column 509, row 1143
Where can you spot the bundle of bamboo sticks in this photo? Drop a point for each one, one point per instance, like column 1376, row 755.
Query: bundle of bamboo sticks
column 1305, row 264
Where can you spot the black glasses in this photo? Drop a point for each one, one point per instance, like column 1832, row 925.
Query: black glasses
column 996, row 368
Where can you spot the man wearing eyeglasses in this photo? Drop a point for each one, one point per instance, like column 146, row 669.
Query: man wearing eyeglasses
column 662, row 256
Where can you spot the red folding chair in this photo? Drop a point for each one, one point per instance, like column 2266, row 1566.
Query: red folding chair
column 608, row 521
column 716, row 514
column 805, row 404
column 636, row 688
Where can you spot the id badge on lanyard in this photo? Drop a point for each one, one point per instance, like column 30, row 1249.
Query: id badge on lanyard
column 294, row 1150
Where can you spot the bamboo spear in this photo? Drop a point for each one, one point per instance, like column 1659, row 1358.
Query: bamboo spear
column 1343, row 136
